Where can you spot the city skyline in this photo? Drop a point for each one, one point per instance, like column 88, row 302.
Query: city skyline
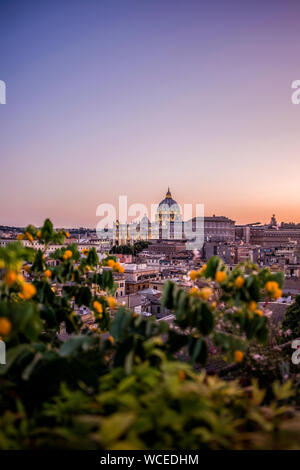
column 106, row 99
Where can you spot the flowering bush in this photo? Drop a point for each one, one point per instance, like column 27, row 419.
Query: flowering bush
column 225, row 310
column 120, row 384
column 266, row 364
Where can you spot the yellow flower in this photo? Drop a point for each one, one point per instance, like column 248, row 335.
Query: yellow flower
column 48, row 273
column 214, row 304
column 194, row 291
column 277, row 294
column 181, row 375
column 28, row 291
column 259, row 312
column 205, row 293
column 119, row 268
column 220, row 276
column 97, row 306
column 87, row 268
column 67, row 254
column 10, row 277
column 5, row 326
column 20, row 278
column 112, row 303
column 20, row 236
column 201, row 271
column 111, row 339
column 271, row 286
column 238, row 356
column 67, row 234
column 39, row 234
column 85, row 251
column 2, row 264
column 239, row 282
column 111, row 263
column 26, row 268
column 252, row 306
column 29, row 236
column 193, row 275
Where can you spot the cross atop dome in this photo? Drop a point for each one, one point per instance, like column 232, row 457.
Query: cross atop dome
column 168, row 194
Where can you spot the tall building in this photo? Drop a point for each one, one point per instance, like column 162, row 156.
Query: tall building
column 169, row 219
column 167, row 225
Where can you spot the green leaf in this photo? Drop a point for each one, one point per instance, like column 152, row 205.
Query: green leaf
column 12, row 355
column 75, row 344
column 167, row 296
column 83, row 297
column 212, row 266
column 205, row 320
column 198, row 350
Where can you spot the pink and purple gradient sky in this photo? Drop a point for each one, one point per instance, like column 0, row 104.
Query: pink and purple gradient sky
column 127, row 97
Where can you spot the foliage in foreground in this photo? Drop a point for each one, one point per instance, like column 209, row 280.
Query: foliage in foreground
column 129, row 382
column 167, row 408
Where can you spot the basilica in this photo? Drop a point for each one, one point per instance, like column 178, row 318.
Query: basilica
column 166, row 226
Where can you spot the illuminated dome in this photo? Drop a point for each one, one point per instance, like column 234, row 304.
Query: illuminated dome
column 167, row 203
column 169, row 209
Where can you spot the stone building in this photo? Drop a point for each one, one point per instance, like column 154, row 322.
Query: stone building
column 270, row 237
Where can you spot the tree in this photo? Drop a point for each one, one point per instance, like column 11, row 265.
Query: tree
column 122, row 250
column 140, row 246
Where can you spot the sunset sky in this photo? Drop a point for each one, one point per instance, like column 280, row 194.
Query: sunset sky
column 109, row 98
